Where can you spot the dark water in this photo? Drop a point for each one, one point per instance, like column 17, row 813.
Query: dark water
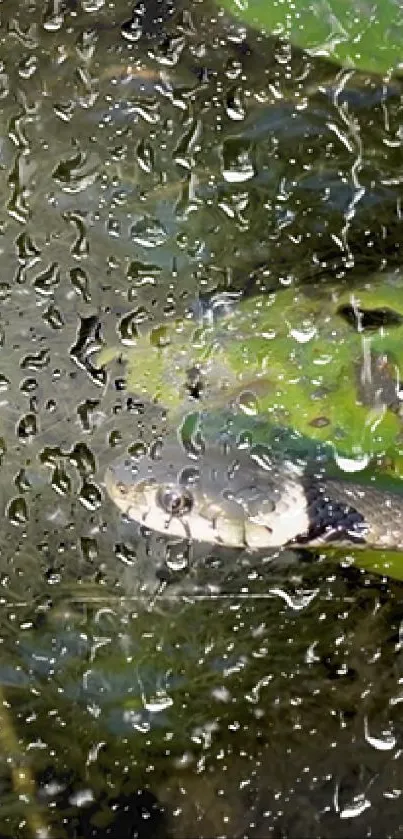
column 145, row 159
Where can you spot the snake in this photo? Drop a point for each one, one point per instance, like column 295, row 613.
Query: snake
column 248, row 497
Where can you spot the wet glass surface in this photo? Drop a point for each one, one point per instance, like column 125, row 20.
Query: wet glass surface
column 148, row 156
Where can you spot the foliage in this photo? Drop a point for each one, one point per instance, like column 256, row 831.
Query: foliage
column 318, row 360
column 366, row 36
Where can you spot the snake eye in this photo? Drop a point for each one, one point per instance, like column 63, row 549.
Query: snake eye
column 173, row 501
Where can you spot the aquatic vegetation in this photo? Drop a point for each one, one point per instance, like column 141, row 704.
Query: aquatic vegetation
column 323, row 360
column 367, row 36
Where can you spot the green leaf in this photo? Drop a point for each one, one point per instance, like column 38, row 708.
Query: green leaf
column 324, row 362
column 385, row 563
column 366, row 35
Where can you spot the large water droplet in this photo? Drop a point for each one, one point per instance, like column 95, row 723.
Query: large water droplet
column 234, row 105
column 89, row 548
column 349, row 464
column 384, row 743
column 304, row 334
column 248, row 403
column 46, row 282
column 90, row 496
column 27, row 427
column 61, row 482
column 17, row 511
column 83, row 459
column 125, row 553
column 159, row 702
column 145, row 156
column 237, row 164
column 148, row 232
column 177, row 562
column 298, row 601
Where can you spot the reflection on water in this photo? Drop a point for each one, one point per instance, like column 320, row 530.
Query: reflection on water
column 145, row 159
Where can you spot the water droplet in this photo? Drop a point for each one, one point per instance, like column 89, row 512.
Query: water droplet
column 248, row 403
column 237, row 165
column 83, row 459
column 5, row 291
column 17, row 133
column 46, row 282
column 169, row 51
column 17, row 511
column 87, row 414
column 4, row 85
column 132, row 29
column 27, row 66
column 190, row 436
column 384, row 743
column 90, row 496
column 125, row 553
column 49, row 456
column 177, row 563
column 19, row 180
column 80, row 283
column 145, row 156
column 27, row 251
column 186, row 145
column 138, row 449
column 52, row 577
column 233, row 68
column 80, row 246
column 53, row 18
column 35, row 361
column 234, row 106
column 157, row 703
column 160, row 336
column 92, row 5
column 89, row 548
column 358, row 805
column 61, row 482
column 148, row 232
column 27, row 427
column 141, row 274
column 113, row 227
column 86, row 44
column 322, row 360
column 53, row 317
column 127, row 329
column 349, row 464
column 87, row 344
column 114, row 439
column 299, row 600
column 22, row 481
column 64, row 110
column 76, row 173
column 303, row 335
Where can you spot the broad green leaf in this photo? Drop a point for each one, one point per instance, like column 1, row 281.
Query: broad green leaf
column 385, row 563
column 366, row 35
column 298, row 358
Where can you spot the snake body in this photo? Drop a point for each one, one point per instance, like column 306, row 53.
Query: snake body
column 245, row 498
